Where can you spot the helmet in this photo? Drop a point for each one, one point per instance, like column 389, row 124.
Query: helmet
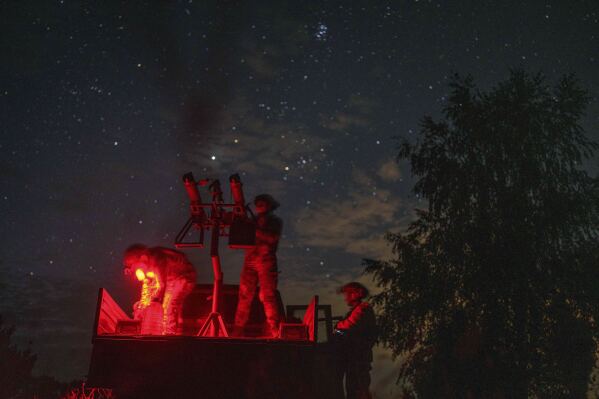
column 355, row 287
column 268, row 199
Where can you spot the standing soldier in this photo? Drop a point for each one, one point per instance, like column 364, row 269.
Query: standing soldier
column 260, row 267
column 356, row 334
column 174, row 275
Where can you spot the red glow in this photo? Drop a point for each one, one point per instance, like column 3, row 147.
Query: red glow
column 146, row 309
column 149, row 290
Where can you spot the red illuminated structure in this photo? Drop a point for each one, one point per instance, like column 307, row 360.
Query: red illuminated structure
column 219, row 222
column 302, row 364
column 136, row 363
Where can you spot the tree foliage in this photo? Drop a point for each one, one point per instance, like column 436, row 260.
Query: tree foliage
column 16, row 366
column 493, row 291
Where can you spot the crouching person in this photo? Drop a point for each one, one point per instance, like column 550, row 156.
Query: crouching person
column 172, row 278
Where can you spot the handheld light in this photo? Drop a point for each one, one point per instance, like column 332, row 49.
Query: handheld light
column 140, row 274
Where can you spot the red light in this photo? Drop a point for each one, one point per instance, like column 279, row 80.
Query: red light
column 140, row 274
column 150, row 287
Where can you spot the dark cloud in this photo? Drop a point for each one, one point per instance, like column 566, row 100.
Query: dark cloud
column 357, row 222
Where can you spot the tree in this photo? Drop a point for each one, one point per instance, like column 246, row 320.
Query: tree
column 16, row 366
column 493, row 290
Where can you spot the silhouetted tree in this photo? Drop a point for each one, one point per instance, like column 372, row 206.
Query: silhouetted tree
column 15, row 366
column 493, row 291
column 16, row 378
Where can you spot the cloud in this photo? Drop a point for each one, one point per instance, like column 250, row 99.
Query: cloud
column 362, row 104
column 258, row 145
column 343, row 121
column 262, row 66
column 389, row 171
column 358, row 115
column 356, row 225
column 362, row 179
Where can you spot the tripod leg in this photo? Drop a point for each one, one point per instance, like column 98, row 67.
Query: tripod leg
column 223, row 330
column 214, row 326
column 205, row 327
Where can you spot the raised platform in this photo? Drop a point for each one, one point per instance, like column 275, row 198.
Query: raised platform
column 195, row 367
column 188, row 366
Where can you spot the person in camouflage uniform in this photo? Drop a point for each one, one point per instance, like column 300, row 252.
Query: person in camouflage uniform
column 356, row 334
column 260, row 268
column 175, row 276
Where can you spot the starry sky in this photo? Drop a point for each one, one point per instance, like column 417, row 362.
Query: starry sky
column 106, row 105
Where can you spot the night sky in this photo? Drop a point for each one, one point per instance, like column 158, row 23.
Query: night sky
column 106, row 106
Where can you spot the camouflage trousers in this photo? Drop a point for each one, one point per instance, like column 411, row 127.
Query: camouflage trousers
column 174, row 294
column 265, row 273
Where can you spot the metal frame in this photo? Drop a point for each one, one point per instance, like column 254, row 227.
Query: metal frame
column 214, row 326
column 328, row 317
column 180, row 238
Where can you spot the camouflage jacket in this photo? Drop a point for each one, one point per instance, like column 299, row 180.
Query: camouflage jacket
column 268, row 232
